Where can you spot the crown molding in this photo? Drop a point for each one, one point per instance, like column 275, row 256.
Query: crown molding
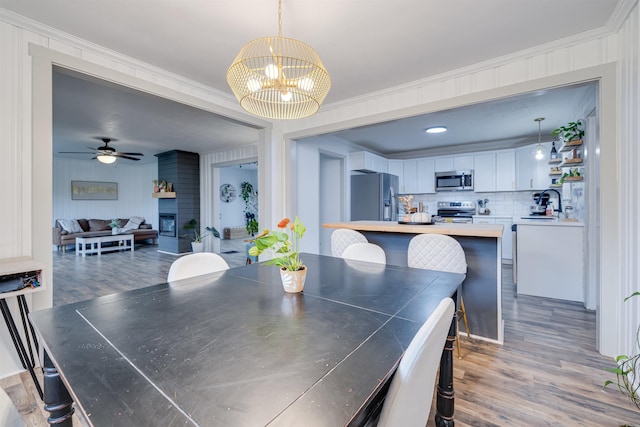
column 620, row 14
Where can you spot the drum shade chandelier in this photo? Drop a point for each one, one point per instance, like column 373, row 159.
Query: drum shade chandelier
column 278, row 77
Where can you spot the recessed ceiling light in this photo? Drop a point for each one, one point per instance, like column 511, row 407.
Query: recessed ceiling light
column 436, row 129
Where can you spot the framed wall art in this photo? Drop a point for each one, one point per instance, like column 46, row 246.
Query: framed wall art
column 94, row 190
column 227, row 193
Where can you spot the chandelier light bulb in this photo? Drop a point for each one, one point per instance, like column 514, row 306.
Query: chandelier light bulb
column 271, row 71
column 286, row 96
column 253, row 85
column 305, row 84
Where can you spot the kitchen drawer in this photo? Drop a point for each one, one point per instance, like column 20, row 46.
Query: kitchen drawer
column 477, row 220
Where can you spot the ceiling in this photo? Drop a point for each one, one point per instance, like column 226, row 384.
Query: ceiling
column 367, row 46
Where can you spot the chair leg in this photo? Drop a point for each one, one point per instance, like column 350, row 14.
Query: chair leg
column 464, row 316
column 458, row 341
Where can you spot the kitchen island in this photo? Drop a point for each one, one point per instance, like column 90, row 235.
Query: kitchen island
column 482, row 244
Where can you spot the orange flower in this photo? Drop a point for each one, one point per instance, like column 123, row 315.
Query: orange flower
column 284, row 222
column 291, row 226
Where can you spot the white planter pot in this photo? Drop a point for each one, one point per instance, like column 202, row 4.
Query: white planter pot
column 197, row 246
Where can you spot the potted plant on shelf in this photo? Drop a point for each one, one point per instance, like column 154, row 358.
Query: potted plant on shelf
column 249, row 195
column 284, row 245
column 572, row 131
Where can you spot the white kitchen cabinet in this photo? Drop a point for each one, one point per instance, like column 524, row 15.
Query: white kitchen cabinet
column 410, row 176
column 443, row 164
column 396, row 167
column 484, row 172
column 507, row 240
column 453, row 163
column 365, row 161
column 551, row 261
column 426, row 176
column 531, row 173
column 505, row 171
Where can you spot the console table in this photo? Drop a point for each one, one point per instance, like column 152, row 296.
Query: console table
column 19, row 277
column 93, row 245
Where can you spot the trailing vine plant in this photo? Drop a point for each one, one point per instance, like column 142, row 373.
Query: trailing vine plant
column 250, row 197
column 626, row 370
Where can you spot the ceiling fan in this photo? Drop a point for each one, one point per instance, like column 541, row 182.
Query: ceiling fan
column 106, row 154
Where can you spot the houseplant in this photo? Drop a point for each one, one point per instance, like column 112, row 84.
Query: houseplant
column 249, row 195
column 284, row 245
column 115, row 226
column 197, row 244
column 570, row 132
column 626, row 370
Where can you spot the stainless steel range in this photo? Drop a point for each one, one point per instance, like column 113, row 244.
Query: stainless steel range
column 460, row 212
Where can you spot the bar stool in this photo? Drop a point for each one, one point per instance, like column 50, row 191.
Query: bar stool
column 442, row 253
column 342, row 238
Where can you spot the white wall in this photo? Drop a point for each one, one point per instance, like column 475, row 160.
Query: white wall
column 232, row 214
column 135, row 186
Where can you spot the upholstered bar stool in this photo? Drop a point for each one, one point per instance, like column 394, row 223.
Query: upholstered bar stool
column 442, row 253
column 195, row 265
column 365, row 252
column 342, row 238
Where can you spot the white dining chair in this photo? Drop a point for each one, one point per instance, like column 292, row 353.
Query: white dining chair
column 9, row 415
column 342, row 238
column 195, row 265
column 442, row 253
column 365, row 252
column 408, row 401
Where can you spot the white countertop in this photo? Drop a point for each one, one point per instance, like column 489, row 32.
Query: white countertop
column 448, row 228
column 545, row 221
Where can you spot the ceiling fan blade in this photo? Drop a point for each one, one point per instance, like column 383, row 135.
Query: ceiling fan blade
column 75, row 152
column 125, row 157
column 131, row 154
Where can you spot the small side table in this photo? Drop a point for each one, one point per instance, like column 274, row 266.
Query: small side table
column 18, row 272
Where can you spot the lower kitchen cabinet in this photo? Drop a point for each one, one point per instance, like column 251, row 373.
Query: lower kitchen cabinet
column 550, row 261
column 507, row 241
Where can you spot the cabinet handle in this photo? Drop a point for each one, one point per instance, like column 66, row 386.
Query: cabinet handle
column 513, row 184
column 531, row 183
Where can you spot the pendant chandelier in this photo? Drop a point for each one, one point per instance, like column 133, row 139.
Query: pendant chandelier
column 279, row 78
column 539, row 153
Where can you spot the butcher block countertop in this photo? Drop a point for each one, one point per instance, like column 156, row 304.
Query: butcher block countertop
column 448, row 228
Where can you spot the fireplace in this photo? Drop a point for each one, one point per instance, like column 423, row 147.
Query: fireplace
column 168, row 225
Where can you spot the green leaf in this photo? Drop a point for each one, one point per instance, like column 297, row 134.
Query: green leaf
column 635, row 294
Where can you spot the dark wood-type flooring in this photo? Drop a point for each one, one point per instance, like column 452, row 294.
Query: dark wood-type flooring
column 548, row 372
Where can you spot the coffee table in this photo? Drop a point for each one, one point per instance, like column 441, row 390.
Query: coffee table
column 93, row 245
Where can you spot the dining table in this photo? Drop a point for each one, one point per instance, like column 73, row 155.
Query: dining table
column 231, row 348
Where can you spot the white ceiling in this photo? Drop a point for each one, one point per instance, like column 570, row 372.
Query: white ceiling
column 367, row 46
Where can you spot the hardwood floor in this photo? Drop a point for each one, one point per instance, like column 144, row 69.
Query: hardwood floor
column 548, row 372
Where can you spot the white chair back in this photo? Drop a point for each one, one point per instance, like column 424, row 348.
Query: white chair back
column 195, row 265
column 365, row 252
column 9, row 415
column 436, row 252
column 415, row 377
column 342, row 238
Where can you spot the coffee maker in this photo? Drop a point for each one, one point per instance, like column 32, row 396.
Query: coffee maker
column 539, row 206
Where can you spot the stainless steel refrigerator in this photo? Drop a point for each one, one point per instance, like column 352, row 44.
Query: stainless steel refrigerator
column 373, row 197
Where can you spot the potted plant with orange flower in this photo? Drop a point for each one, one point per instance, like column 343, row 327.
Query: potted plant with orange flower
column 284, row 244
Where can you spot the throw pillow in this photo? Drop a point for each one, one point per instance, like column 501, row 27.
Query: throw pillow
column 99, row 224
column 70, row 225
column 133, row 224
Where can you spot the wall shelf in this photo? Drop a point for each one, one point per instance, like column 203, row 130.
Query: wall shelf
column 571, row 145
column 555, row 161
column 572, row 162
column 165, row 195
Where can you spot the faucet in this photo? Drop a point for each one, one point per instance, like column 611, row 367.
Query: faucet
column 559, row 198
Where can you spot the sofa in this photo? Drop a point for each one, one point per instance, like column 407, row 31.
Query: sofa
column 65, row 231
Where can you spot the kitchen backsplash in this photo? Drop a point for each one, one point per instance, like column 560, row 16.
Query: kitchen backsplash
column 514, row 204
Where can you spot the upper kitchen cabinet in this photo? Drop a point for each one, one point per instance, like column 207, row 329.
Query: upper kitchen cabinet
column 418, row 176
column 364, row 161
column 494, row 171
column 453, row 163
column 396, row 167
column 531, row 173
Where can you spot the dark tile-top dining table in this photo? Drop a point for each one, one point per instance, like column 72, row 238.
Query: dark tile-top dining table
column 233, row 349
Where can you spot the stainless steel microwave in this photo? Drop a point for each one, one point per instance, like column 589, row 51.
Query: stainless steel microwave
column 454, row 180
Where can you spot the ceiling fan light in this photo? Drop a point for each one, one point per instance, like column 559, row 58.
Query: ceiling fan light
column 436, row 129
column 105, row 159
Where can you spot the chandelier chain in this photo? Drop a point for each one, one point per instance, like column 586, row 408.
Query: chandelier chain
column 279, row 18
